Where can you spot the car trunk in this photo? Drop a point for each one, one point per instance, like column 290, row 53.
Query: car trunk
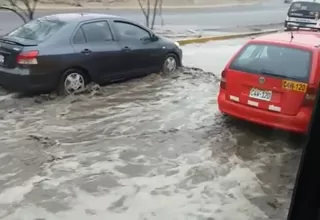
column 269, row 95
column 28, row 35
column 270, row 77
column 10, row 48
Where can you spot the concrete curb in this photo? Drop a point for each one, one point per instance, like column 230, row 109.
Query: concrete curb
column 224, row 37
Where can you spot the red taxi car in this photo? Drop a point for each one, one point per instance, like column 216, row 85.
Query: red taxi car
column 272, row 80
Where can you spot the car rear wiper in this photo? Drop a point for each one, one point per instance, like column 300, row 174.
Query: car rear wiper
column 267, row 72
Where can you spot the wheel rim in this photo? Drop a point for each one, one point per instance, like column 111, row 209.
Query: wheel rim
column 74, row 82
column 170, row 64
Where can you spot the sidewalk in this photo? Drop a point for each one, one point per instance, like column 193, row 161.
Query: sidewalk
column 191, row 34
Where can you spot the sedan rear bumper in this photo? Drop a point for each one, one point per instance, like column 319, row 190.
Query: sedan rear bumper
column 298, row 123
column 20, row 80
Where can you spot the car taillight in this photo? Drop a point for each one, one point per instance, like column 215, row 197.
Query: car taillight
column 310, row 96
column 28, row 57
column 223, row 80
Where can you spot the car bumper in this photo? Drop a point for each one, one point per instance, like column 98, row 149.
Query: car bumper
column 298, row 123
column 296, row 24
column 21, row 80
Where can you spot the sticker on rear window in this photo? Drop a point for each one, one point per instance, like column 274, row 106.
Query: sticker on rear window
column 294, row 86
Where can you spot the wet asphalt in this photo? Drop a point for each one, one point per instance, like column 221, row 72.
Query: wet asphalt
column 264, row 13
column 150, row 148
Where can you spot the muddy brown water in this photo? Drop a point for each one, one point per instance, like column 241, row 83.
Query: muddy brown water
column 150, row 148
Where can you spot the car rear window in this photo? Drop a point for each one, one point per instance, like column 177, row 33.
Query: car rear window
column 274, row 60
column 37, row 30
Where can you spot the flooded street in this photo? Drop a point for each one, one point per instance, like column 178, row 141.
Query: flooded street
column 147, row 149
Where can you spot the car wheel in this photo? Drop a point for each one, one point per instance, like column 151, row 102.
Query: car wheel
column 170, row 64
column 72, row 81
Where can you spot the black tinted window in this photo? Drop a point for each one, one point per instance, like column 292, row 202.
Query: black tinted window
column 274, row 60
column 97, row 31
column 79, row 37
column 127, row 30
column 38, row 30
column 305, row 6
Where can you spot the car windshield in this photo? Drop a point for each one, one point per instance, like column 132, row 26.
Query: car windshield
column 300, row 7
column 37, row 30
column 274, row 60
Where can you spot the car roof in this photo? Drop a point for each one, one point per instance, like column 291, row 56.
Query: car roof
column 308, row 39
column 78, row 17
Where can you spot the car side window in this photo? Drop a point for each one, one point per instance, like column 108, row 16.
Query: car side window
column 97, row 32
column 131, row 31
column 79, row 37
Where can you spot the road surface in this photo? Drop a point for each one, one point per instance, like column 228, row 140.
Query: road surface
column 148, row 149
column 272, row 11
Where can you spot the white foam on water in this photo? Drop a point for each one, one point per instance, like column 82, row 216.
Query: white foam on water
column 199, row 187
column 7, row 96
column 6, row 176
column 16, row 194
column 171, row 197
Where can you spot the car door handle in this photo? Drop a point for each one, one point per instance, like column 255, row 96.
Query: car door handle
column 126, row 49
column 86, row 51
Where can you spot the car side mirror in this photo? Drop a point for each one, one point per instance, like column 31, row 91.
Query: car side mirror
column 151, row 38
column 154, row 37
column 146, row 39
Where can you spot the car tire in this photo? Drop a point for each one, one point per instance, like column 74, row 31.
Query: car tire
column 72, row 81
column 170, row 64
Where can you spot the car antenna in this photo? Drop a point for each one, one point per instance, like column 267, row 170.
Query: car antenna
column 291, row 36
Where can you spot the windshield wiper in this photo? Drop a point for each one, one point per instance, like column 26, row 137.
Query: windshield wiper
column 267, row 72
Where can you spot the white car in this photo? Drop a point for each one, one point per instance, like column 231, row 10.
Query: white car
column 303, row 14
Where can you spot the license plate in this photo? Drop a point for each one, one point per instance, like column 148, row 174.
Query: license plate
column 294, row 86
column 1, row 59
column 260, row 94
column 302, row 20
